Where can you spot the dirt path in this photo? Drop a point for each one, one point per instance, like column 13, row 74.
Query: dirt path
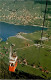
column 20, row 36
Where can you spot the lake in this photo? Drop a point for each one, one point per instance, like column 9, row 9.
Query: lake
column 7, row 30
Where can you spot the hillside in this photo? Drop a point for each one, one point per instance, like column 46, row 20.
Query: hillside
column 38, row 57
column 18, row 74
column 26, row 12
column 34, row 52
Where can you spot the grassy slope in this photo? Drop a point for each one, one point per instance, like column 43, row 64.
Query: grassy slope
column 33, row 55
column 18, row 74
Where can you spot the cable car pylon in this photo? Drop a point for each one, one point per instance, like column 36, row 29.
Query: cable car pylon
column 44, row 19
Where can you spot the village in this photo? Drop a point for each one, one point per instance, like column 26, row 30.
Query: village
column 25, row 54
column 22, row 15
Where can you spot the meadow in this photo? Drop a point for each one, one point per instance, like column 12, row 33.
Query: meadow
column 36, row 52
column 36, row 56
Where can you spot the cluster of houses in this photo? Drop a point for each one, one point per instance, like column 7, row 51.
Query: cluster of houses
column 5, row 51
column 22, row 62
column 34, row 66
column 21, row 16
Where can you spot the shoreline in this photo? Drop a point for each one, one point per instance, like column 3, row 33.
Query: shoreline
column 24, row 25
column 1, row 39
column 18, row 25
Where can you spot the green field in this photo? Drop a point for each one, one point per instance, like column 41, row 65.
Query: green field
column 34, row 55
column 36, row 52
column 0, row 39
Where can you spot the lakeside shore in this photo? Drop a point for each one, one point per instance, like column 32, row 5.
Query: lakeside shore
column 0, row 39
column 24, row 25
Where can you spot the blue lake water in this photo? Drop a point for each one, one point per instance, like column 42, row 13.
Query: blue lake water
column 7, row 30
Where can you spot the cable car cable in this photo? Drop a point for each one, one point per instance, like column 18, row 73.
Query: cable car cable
column 44, row 19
